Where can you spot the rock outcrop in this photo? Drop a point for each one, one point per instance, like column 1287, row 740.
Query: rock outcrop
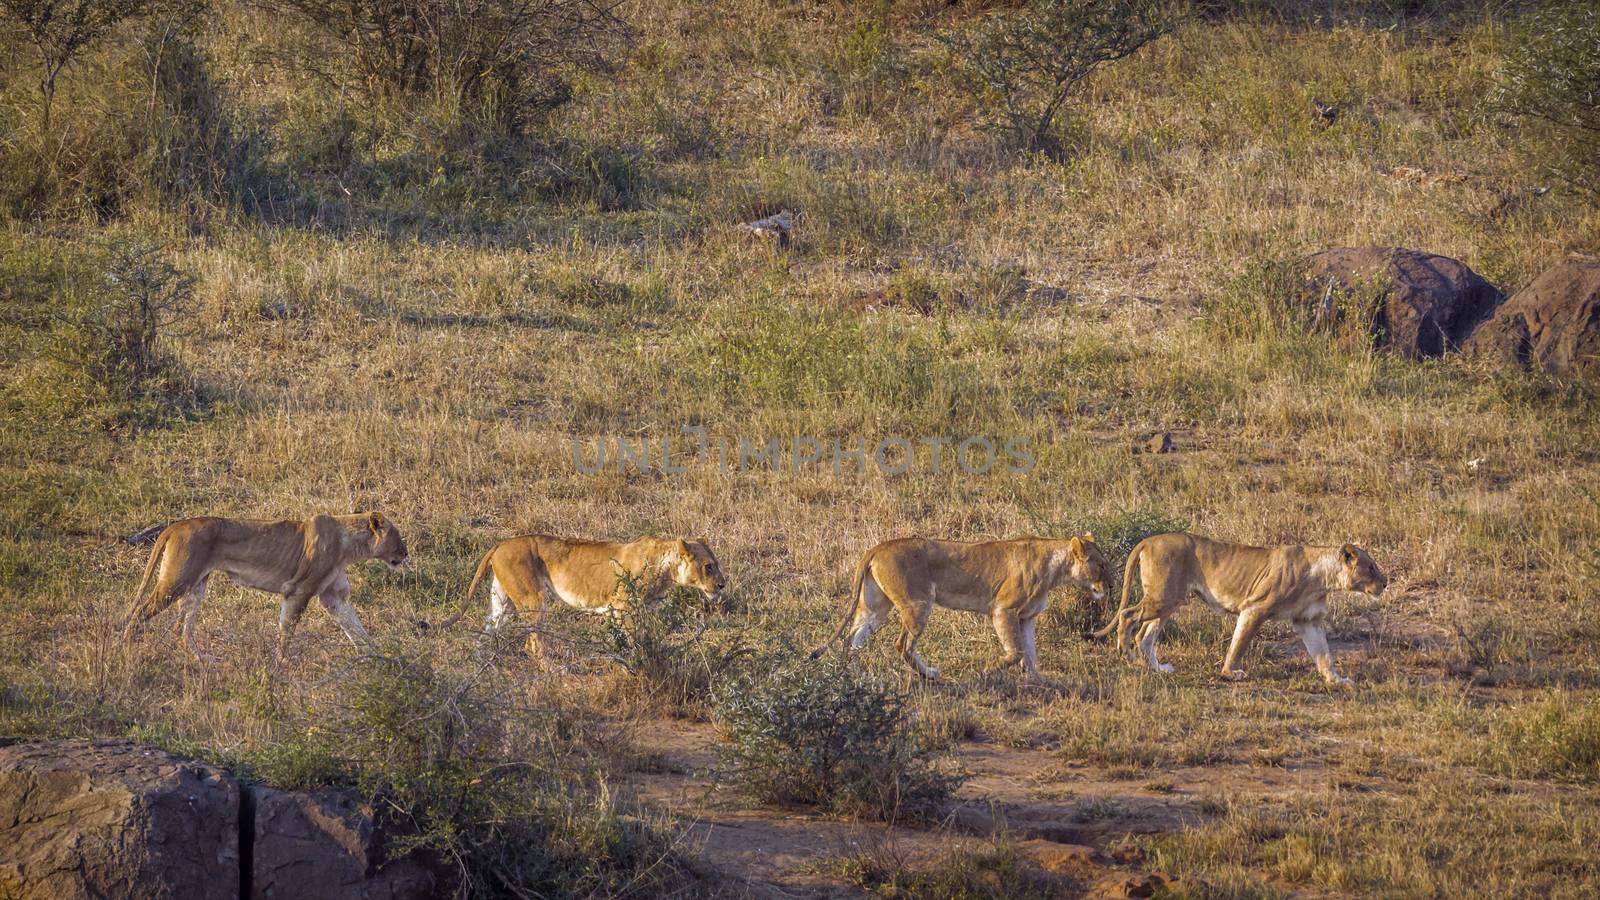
column 1552, row 325
column 1417, row 304
column 93, row 819
column 325, row 846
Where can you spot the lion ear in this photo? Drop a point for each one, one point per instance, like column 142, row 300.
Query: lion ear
column 375, row 522
column 1088, row 536
column 1077, row 547
column 683, row 548
column 1349, row 554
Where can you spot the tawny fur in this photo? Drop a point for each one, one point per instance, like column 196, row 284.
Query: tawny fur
column 529, row 571
column 298, row 560
column 1289, row 583
column 1009, row 581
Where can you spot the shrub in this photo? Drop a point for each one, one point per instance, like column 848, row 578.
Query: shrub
column 483, row 780
column 501, row 61
column 667, row 645
column 141, row 120
column 1554, row 77
column 823, row 734
column 61, row 31
column 1031, row 59
column 101, row 320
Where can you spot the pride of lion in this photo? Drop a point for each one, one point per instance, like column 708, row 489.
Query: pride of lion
column 1009, row 581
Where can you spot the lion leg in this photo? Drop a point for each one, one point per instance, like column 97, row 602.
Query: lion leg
column 176, row 578
column 190, row 615
column 1149, row 632
column 914, row 618
column 1249, row 622
column 336, row 599
column 1030, row 648
column 544, row 593
column 1315, row 638
column 1008, row 628
column 294, row 606
column 870, row 614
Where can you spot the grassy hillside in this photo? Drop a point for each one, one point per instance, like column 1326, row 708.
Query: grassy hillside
column 393, row 308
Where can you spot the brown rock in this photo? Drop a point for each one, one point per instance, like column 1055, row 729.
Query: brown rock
column 98, row 819
column 1553, row 324
column 325, row 845
column 1420, row 304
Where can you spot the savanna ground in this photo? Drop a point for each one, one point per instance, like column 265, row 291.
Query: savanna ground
column 383, row 320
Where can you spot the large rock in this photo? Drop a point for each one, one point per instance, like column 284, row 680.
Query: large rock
column 324, row 845
column 95, row 819
column 1553, row 324
column 1420, row 304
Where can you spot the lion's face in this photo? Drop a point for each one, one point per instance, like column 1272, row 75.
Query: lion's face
column 697, row 568
column 1359, row 572
column 1089, row 566
column 387, row 544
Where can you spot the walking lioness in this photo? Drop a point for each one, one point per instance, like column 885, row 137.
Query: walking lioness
column 526, row 572
column 1289, row 582
column 296, row 559
column 1009, row 581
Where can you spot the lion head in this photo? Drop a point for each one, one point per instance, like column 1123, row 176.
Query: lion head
column 1088, row 564
column 695, row 566
column 1359, row 573
column 387, row 544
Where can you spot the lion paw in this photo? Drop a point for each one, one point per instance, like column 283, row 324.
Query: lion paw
column 1235, row 675
column 1165, row 668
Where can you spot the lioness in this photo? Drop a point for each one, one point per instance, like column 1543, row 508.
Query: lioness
column 1009, row 581
column 295, row 559
column 526, row 572
column 1289, row 582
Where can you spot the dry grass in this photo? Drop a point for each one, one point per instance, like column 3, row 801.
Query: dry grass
column 436, row 362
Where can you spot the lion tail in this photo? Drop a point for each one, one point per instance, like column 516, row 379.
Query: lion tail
column 477, row 579
column 850, row 608
column 156, row 552
column 1125, row 609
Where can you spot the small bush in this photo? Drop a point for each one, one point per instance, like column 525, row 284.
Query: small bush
column 498, row 62
column 1554, row 77
column 1556, row 737
column 668, row 646
column 503, row 790
column 1033, row 58
column 101, row 320
column 823, row 734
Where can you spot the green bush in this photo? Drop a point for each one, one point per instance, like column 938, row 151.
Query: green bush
column 137, row 118
column 504, row 790
column 1554, row 77
column 1116, row 534
column 823, row 734
column 97, row 322
column 669, row 646
column 1031, row 59
column 495, row 62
